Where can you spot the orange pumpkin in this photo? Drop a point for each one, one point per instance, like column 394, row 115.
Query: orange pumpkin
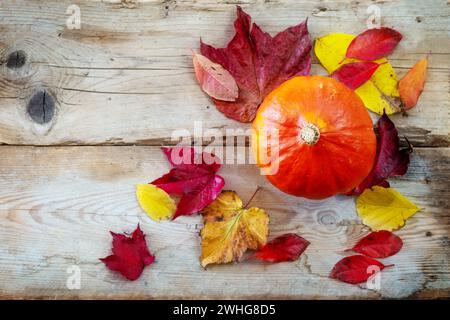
column 314, row 138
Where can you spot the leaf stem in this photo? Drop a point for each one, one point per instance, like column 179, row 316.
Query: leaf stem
column 251, row 198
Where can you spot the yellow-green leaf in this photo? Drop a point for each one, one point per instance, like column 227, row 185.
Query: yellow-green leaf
column 155, row 202
column 380, row 92
column 231, row 229
column 384, row 208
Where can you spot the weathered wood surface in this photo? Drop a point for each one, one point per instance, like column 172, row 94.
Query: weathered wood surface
column 125, row 78
column 58, row 204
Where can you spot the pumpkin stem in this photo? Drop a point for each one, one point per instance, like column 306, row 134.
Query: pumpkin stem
column 310, row 134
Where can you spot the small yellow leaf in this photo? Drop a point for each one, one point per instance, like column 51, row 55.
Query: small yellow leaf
column 384, row 208
column 155, row 202
column 230, row 229
column 380, row 92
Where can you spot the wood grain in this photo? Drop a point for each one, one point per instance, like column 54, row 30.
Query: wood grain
column 57, row 205
column 122, row 85
column 126, row 76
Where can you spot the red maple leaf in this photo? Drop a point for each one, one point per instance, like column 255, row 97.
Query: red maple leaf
column 259, row 63
column 193, row 176
column 287, row 247
column 390, row 160
column 130, row 254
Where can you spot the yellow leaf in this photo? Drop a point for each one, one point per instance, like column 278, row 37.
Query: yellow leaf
column 231, row 229
column 380, row 92
column 384, row 208
column 155, row 202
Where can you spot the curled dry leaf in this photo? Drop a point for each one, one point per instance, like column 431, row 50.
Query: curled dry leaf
column 390, row 161
column 193, row 176
column 259, row 63
column 384, row 208
column 217, row 82
column 230, row 229
column 373, row 44
column 356, row 269
column 355, row 74
column 155, row 202
column 130, row 254
column 379, row 244
column 379, row 92
column 411, row 86
column 287, row 247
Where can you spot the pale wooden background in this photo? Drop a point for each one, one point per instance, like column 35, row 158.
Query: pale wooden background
column 122, row 84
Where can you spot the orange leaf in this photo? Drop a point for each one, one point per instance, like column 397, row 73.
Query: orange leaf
column 411, row 86
column 217, row 82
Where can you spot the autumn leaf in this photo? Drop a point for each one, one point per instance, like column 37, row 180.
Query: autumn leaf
column 130, row 254
column 379, row 244
column 354, row 74
column 411, row 85
column 193, row 176
column 155, row 202
column 379, row 92
column 373, row 44
column 259, row 63
column 217, row 82
column 230, row 229
column 356, row 269
column 287, row 247
column 384, row 208
column 390, row 161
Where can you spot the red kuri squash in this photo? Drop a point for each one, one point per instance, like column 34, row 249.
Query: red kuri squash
column 314, row 138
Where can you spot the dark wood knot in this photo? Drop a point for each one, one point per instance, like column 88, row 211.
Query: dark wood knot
column 16, row 59
column 41, row 107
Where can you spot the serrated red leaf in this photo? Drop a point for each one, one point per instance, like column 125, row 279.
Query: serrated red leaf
column 130, row 254
column 373, row 44
column 217, row 82
column 355, row 74
column 390, row 160
column 259, row 63
column 379, row 244
column 356, row 269
column 287, row 247
column 193, row 176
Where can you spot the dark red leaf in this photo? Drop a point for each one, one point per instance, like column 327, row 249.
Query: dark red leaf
column 355, row 269
column 355, row 74
column 380, row 244
column 130, row 254
column 390, row 160
column 193, row 177
column 259, row 63
column 287, row 247
column 373, row 44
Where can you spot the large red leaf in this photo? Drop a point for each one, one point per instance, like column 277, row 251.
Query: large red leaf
column 355, row 269
column 193, row 177
column 130, row 254
column 380, row 244
column 355, row 74
column 259, row 63
column 390, row 160
column 373, row 44
column 287, row 247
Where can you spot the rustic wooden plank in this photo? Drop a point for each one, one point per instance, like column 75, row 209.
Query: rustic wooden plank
column 125, row 77
column 57, row 205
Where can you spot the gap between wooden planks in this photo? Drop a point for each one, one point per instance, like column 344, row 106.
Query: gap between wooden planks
column 57, row 205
